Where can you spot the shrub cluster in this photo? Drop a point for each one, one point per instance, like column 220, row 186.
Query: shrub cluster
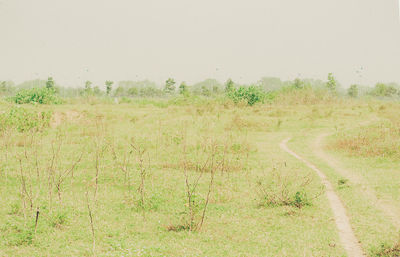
column 36, row 96
column 23, row 119
column 283, row 187
column 251, row 95
column 383, row 90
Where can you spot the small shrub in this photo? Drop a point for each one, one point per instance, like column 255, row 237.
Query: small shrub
column 207, row 159
column 353, row 91
column 23, row 237
column 342, row 182
column 183, row 89
column 109, row 85
column 58, row 219
column 23, row 119
column 301, row 199
column 16, row 233
column 386, row 250
column 332, row 83
column 282, row 187
column 170, row 86
column 383, row 90
column 191, row 217
column 177, row 228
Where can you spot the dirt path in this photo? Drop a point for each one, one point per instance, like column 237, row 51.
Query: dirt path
column 386, row 207
column 346, row 234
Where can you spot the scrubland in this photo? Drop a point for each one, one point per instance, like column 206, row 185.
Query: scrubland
column 196, row 176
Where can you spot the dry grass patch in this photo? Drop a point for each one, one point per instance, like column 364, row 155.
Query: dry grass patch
column 382, row 140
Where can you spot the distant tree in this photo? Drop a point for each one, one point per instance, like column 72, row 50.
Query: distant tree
column 169, row 85
column 211, row 84
column 3, row 86
column 150, row 91
column 96, row 91
column 133, row 91
column 382, row 89
column 137, row 84
column 7, row 87
column 215, row 89
column 183, row 89
column 251, row 95
column 88, row 87
column 229, row 85
column 353, row 91
column 332, row 83
column 120, row 91
column 298, row 83
column 109, row 84
column 205, row 91
column 390, row 91
column 270, row 83
column 50, row 83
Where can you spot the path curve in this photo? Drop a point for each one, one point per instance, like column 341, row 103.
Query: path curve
column 388, row 209
column 346, row 234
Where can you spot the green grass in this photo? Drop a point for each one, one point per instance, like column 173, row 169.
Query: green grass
column 371, row 225
column 235, row 225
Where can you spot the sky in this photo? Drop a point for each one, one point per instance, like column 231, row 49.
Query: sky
column 191, row 40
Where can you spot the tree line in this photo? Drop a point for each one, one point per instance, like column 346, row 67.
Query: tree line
column 206, row 88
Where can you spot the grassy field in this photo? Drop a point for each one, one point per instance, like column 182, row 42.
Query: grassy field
column 202, row 179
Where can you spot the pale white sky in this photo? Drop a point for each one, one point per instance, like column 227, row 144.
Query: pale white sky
column 78, row 40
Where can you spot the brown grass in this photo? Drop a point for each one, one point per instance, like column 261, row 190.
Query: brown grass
column 193, row 166
column 382, row 140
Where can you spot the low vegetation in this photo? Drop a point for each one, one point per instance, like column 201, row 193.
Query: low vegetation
column 23, row 119
column 285, row 187
column 36, row 96
column 189, row 170
column 381, row 139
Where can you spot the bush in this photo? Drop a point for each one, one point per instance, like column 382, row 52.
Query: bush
column 283, row 187
column 150, row 92
column 353, row 91
column 383, row 90
column 251, row 95
column 332, row 83
column 22, row 119
column 133, row 91
column 58, row 219
column 16, row 234
column 36, row 96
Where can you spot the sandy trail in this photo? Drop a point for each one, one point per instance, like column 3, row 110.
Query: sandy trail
column 346, row 234
column 386, row 207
